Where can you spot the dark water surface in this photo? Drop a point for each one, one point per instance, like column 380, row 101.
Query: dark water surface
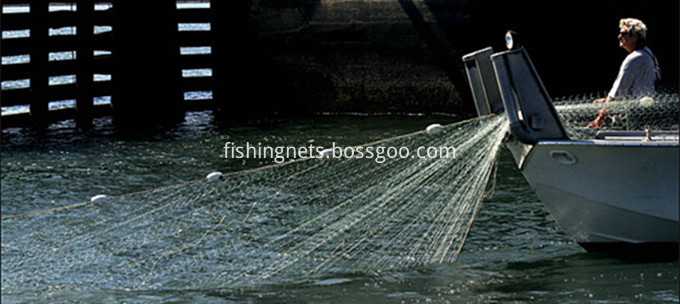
column 515, row 253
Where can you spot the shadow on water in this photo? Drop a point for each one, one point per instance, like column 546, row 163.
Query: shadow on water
column 587, row 275
column 583, row 259
column 442, row 52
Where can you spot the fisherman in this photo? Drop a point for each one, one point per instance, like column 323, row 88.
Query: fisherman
column 639, row 71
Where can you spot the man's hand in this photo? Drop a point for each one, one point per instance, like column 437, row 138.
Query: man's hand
column 601, row 100
column 601, row 119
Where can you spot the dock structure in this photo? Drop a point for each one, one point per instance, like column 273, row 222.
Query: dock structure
column 146, row 63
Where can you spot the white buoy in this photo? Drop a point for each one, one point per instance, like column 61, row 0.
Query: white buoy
column 327, row 153
column 646, row 101
column 433, row 128
column 100, row 198
column 214, row 176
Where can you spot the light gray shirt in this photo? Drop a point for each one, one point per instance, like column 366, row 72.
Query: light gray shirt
column 636, row 76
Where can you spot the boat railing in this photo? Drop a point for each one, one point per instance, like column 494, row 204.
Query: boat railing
column 508, row 81
column 482, row 80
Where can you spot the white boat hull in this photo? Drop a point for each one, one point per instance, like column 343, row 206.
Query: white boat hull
column 603, row 192
column 617, row 190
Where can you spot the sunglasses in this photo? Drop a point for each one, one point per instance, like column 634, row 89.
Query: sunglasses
column 624, row 33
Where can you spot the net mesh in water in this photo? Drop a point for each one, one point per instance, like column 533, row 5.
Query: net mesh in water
column 291, row 222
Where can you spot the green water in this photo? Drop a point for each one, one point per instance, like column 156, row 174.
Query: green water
column 514, row 253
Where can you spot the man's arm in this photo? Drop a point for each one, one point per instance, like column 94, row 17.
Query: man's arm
column 624, row 81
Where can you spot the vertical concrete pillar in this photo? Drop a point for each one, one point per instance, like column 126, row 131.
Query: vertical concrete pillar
column 146, row 73
column 84, row 62
column 38, row 65
column 250, row 87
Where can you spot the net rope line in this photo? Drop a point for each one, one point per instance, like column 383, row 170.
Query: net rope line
column 278, row 223
column 484, row 196
column 364, row 212
column 192, row 244
column 358, row 216
column 226, row 175
column 441, row 250
column 195, row 243
column 293, row 221
column 575, row 112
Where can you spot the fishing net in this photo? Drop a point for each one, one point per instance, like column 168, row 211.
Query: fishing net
column 660, row 111
column 289, row 222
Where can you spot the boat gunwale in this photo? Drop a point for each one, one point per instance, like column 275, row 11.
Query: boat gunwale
column 617, row 142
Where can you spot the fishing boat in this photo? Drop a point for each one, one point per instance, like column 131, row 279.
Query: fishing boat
column 616, row 192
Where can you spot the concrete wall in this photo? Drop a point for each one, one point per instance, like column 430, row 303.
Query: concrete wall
column 358, row 55
column 405, row 55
